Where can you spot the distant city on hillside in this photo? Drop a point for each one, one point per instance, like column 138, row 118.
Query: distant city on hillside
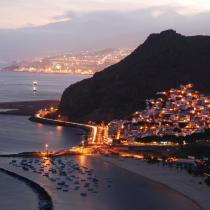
column 80, row 63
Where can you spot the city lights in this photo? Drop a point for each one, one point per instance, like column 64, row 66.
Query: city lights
column 178, row 112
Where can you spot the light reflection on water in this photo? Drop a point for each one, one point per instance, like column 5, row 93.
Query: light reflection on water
column 18, row 134
column 82, row 159
column 15, row 86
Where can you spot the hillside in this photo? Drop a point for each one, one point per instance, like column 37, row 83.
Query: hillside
column 164, row 60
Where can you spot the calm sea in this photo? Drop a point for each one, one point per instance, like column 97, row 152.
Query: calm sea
column 15, row 86
column 17, row 133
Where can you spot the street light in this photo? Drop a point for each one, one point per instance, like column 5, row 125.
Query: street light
column 46, row 149
column 82, row 145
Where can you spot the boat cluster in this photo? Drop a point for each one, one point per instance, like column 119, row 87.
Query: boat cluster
column 66, row 174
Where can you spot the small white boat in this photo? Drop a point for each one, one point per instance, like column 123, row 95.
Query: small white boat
column 35, row 83
column 34, row 89
column 34, row 86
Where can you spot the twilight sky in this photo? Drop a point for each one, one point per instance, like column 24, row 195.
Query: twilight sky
column 40, row 27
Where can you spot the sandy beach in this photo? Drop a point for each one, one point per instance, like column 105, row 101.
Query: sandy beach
column 177, row 179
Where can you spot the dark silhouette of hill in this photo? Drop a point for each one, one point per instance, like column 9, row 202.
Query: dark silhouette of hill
column 163, row 61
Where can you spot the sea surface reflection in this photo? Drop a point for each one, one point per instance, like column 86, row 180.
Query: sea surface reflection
column 18, row 134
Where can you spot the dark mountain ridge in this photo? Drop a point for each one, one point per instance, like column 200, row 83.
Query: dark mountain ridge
column 163, row 61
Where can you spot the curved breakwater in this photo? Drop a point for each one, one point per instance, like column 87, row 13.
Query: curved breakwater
column 45, row 201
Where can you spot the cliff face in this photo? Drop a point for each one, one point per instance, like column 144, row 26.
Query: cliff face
column 163, row 61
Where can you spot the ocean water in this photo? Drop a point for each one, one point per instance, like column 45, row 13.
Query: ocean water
column 17, row 133
column 16, row 86
column 12, row 190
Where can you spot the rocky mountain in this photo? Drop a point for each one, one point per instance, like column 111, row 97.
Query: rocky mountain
column 164, row 60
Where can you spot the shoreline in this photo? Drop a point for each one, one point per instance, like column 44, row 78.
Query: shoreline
column 44, row 72
column 179, row 181
column 26, row 108
column 44, row 200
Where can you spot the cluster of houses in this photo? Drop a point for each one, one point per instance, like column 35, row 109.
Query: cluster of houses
column 177, row 112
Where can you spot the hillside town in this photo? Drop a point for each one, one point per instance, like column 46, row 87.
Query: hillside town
column 176, row 112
